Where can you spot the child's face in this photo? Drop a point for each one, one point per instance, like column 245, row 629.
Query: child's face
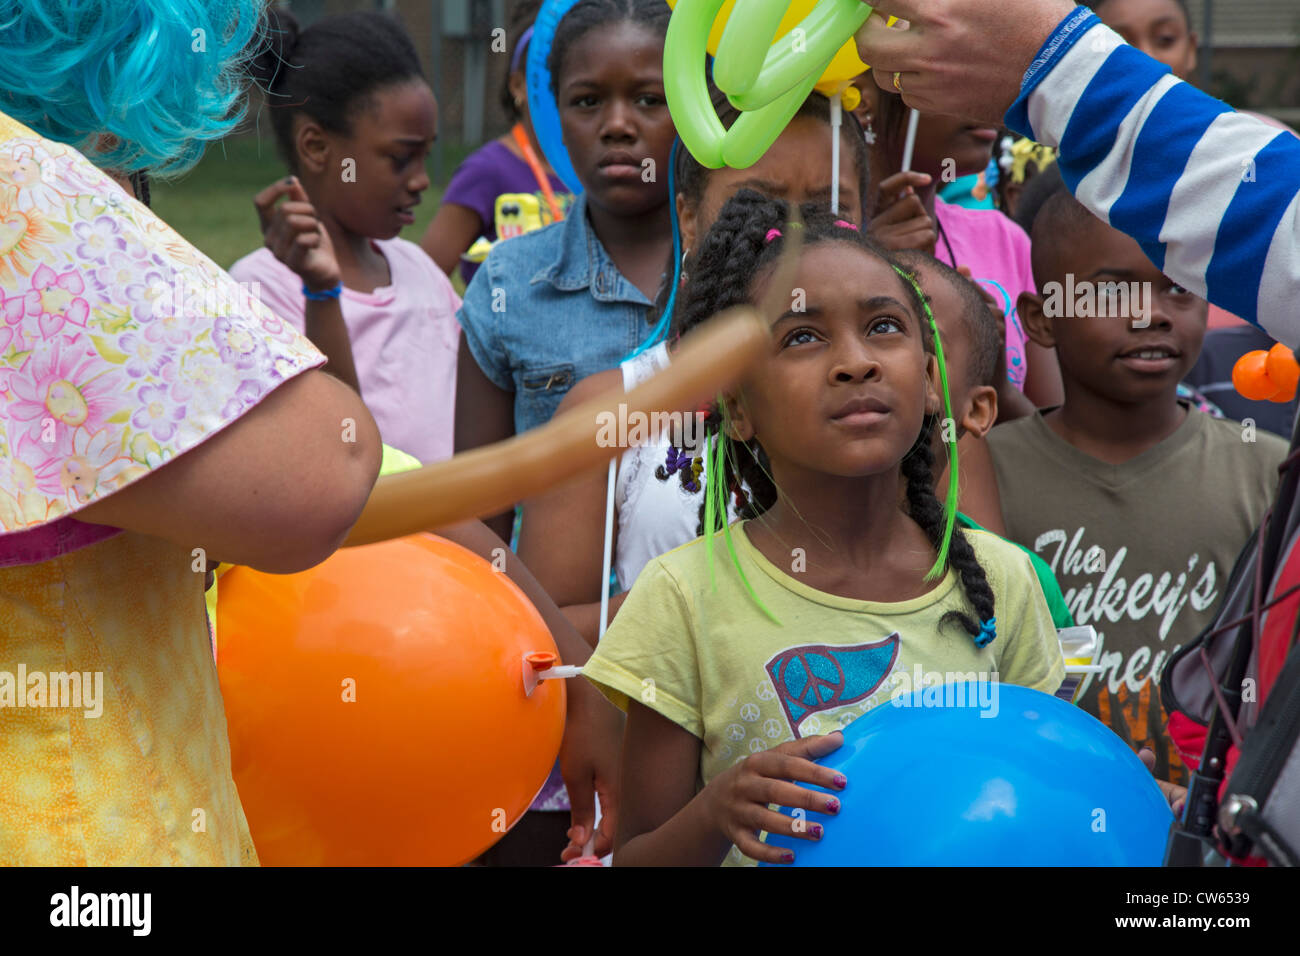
column 796, row 168
column 1130, row 355
column 847, row 383
column 372, row 180
column 974, row 404
column 1156, row 27
column 614, row 117
column 947, row 146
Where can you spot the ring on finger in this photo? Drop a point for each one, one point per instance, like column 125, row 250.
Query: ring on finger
column 897, row 85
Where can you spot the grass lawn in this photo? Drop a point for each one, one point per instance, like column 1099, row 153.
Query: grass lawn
column 212, row 205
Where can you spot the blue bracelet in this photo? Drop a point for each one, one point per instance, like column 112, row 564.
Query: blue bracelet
column 325, row 296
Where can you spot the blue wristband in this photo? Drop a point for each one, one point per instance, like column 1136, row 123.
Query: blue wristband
column 325, row 296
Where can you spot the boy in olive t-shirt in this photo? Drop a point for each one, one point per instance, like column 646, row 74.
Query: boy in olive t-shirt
column 1139, row 503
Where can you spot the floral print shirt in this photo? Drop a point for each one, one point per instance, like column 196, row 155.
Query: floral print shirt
column 121, row 345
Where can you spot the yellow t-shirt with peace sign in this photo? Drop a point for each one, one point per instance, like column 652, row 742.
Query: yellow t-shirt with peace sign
column 712, row 662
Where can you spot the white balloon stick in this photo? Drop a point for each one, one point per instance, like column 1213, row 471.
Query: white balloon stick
column 609, row 549
column 836, row 117
column 910, row 142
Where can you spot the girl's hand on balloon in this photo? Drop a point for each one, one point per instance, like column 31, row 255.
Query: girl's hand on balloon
column 589, row 764
column 900, row 220
column 292, row 231
column 738, row 799
column 1173, row 793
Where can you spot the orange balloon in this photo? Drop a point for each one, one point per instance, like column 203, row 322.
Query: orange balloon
column 1250, row 376
column 1283, row 369
column 1286, row 395
column 376, row 705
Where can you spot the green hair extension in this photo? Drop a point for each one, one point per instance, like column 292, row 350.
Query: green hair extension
column 715, row 512
column 950, row 501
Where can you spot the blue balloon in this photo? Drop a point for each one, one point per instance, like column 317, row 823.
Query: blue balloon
column 1034, row 782
column 542, row 109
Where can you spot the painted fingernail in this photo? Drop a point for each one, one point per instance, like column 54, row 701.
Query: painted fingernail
column 841, row 781
column 816, row 830
column 832, row 805
column 787, row 857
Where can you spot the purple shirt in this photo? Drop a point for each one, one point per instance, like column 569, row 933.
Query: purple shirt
column 486, row 173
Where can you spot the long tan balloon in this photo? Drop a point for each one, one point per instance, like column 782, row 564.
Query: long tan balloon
column 487, row 480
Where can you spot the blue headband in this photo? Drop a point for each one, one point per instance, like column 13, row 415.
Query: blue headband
column 520, row 47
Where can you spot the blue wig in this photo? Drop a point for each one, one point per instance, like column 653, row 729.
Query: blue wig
column 133, row 84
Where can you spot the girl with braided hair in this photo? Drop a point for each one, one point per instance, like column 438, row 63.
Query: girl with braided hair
column 845, row 575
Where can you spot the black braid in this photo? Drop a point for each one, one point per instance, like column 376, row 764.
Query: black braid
column 927, row 511
column 756, row 476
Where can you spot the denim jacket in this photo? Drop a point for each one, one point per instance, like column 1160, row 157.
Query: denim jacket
column 548, row 308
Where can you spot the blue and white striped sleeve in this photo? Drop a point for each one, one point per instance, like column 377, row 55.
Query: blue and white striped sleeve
column 1212, row 195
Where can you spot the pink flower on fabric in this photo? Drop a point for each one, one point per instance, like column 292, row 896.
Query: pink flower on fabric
column 95, row 460
column 171, row 329
column 44, row 460
column 11, row 333
column 272, row 324
column 46, row 175
column 156, row 412
column 13, row 309
column 62, row 383
column 55, row 299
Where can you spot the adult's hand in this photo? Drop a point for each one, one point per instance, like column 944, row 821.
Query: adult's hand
column 959, row 57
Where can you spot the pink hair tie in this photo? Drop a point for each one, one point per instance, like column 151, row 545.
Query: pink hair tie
column 772, row 233
column 845, row 224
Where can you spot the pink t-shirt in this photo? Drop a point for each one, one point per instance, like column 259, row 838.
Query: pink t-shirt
column 996, row 251
column 404, row 341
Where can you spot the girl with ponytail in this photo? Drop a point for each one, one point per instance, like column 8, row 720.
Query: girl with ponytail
column 354, row 120
column 846, row 581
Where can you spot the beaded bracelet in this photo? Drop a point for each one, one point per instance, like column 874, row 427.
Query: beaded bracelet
column 325, row 296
